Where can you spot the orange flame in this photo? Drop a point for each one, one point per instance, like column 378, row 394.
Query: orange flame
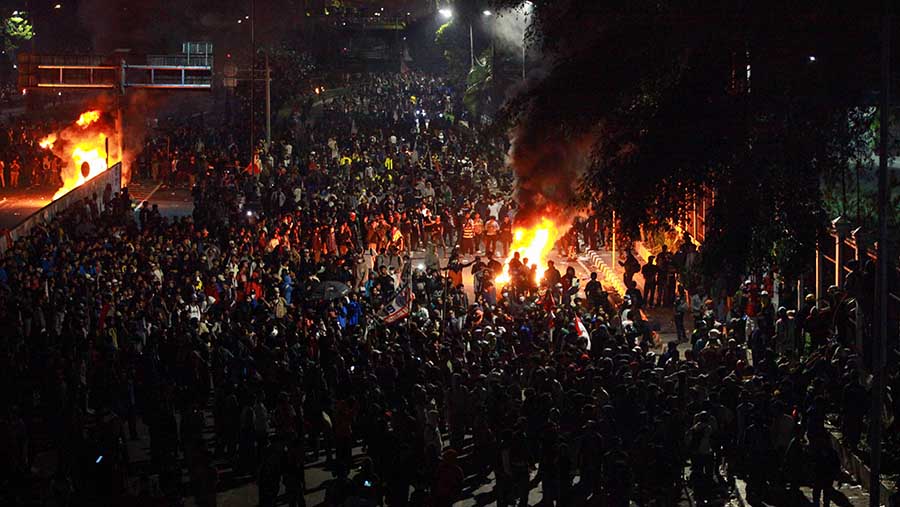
column 48, row 142
column 533, row 243
column 87, row 151
column 83, row 149
column 87, row 118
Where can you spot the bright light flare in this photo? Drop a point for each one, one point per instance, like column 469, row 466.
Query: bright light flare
column 87, row 118
column 533, row 243
column 48, row 142
column 446, row 13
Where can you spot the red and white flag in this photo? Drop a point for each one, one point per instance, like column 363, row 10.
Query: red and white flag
column 582, row 331
column 400, row 307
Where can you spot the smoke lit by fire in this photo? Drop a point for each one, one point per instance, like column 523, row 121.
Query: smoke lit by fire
column 83, row 149
column 549, row 167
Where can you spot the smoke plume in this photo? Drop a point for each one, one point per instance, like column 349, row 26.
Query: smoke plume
column 548, row 172
column 510, row 27
column 548, row 164
column 137, row 106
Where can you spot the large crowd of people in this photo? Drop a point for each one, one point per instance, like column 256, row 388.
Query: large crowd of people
column 279, row 311
column 23, row 163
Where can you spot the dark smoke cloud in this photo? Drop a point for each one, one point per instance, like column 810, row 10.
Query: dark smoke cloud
column 116, row 24
column 137, row 107
column 548, row 171
column 161, row 26
column 548, row 163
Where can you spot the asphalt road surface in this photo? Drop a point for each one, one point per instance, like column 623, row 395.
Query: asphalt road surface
column 18, row 204
column 172, row 201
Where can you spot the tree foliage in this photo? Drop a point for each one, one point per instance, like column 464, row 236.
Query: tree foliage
column 16, row 29
column 750, row 99
column 479, row 84
column 453, row 40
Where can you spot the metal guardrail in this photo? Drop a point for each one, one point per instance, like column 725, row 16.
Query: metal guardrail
column 96, row 185
column 167, row 76
column 197, row 47
column 188, row 71
column 183, row 60
column 76, row 76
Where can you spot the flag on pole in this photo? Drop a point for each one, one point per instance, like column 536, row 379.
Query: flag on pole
column 551, row 325
column 254, row 167
column 548, row 302
column 582, row 331
column 400, row 307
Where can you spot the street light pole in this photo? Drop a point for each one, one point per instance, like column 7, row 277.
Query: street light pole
column 613, row 239
column 527, row 6
column 252, row 80
column 471, row 48
column 880, row 341
column 523, row 57
column 268, row 104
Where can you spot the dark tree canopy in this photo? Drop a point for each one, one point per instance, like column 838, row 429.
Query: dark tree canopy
column 751, row 99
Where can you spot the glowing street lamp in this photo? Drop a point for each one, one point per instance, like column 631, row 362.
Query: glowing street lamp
column 487, row 13
column 446, row 13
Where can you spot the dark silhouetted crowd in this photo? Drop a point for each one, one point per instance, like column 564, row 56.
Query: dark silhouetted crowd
column 268, row 334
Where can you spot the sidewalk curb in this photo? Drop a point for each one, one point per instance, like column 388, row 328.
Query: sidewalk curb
column 853, row 464
column 610, row 277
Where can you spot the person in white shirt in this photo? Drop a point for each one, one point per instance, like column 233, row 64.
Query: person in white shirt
column 494, row 208
column 428, row 191
column 193, row 309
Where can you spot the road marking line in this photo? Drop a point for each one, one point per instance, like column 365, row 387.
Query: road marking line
column 148, row 195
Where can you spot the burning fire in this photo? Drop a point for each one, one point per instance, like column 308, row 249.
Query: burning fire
column 534, row 244
column 48, row 141
column 87, row 118
column 83, row 146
